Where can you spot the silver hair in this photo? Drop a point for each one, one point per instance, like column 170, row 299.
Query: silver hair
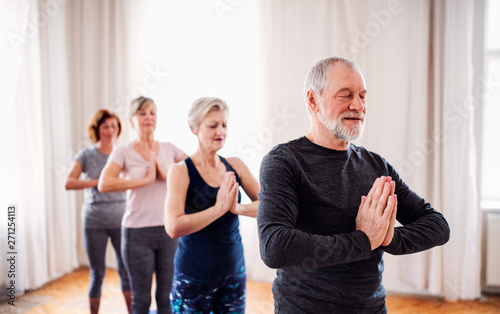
column 201, row 107
column 317, row 78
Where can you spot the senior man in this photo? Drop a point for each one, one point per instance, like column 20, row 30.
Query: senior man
column 327, row 208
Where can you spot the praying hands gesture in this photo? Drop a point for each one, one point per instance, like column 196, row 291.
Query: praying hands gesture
column 227, row 196
column 377, row 212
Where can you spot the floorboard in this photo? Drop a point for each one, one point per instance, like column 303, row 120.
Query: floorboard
column 68, row 294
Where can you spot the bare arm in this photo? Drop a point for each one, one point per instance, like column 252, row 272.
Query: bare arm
column 75, row 183
column 182, row 158
column 250, row 185
column 177, row 222
column 110, row 180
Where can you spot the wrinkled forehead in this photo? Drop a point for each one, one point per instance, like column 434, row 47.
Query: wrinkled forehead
column 344, row 77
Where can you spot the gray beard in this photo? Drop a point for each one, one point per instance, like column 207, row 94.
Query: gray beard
column 338, row 129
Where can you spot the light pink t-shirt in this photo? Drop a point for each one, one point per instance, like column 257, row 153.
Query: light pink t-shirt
column 145, row 205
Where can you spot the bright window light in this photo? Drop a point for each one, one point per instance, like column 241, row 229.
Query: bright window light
column 200, row 48
column 493, row 24
column 491, row 109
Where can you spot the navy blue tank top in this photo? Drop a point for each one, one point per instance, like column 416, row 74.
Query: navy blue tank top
column 216, row 250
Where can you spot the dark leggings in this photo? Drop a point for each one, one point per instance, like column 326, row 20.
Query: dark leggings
column 147, row 251
column 225, row 294
column 96, row 241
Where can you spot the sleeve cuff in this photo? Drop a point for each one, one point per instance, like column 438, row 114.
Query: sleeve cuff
column 392, row 246
column 365, row 242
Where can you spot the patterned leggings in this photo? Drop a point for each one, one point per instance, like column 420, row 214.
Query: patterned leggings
column 214, row 295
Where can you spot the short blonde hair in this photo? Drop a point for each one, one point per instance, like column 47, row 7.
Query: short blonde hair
column 138, row 104
column 201, row 107
column 97, row 120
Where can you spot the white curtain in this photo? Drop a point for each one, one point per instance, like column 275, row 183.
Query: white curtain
column 37, row 131
column 70, row 58
column 417, row 60
column 97, row 52
column 63, row 60
column 456, row 84
column 91, row 54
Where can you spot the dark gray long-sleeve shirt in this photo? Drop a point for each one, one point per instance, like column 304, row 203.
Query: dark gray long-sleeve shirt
column 308, row 203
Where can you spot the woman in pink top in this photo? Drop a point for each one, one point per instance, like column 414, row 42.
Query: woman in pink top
column 146, row 247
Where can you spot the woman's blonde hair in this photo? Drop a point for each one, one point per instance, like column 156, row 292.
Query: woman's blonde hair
column 139, row 103
column 97, row 119
column 201, row 107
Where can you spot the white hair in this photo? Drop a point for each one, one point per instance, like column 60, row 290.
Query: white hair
column 317, row 78
column 201, row 107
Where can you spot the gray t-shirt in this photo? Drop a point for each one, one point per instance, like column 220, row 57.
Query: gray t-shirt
column 99, row 210
column 308, row 202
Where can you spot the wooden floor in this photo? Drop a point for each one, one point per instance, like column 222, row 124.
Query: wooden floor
column 69, row 295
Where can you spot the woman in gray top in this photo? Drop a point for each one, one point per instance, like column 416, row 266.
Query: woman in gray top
column 101, row 212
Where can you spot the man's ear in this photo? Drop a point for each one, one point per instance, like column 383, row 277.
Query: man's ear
column 312, row 101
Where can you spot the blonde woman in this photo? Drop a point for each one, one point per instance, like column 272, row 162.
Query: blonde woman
column 146, row 247
column 202, row 208
column 101, row 212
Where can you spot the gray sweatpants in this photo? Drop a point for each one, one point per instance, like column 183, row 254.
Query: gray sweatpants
column 146, row 251
column 95, row 241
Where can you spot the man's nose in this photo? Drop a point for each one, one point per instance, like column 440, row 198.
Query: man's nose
column 357, row 104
